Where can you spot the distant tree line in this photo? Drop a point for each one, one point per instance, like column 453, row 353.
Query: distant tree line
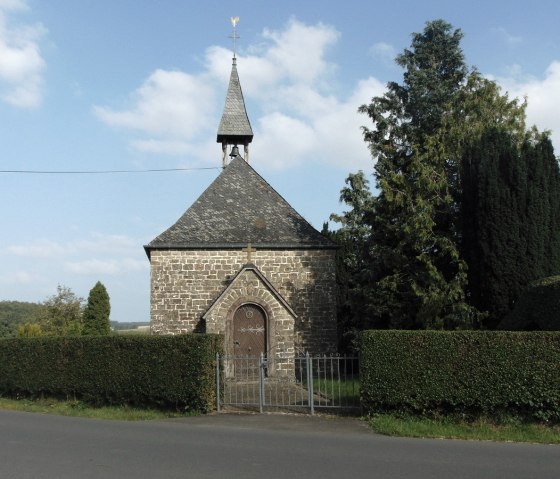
column 466, row 211
column 62, row 314
column 118, row 326
column 13, row 314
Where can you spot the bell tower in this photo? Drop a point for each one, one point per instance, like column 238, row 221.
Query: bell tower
column 235, row 128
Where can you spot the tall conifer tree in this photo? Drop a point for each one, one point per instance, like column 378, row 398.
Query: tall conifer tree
column 511, row 216
column 468, row 210
column 97, row 312
column 419, row 277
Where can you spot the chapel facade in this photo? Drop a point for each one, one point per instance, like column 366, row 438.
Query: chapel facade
column 243, row 263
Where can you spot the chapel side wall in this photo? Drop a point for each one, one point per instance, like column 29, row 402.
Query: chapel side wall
column 184, row 284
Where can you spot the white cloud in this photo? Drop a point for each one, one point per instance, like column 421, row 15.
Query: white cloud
column 42, row 248
column 293, row 105
column 508, row 37
column 330, row 132
column 383, row 51
column 13, row 5
column 543, row 96
column 97, row 243
column 283, row 140
column 301, row 64
column 112, row 267
column 169, row 105
column 21, row 63
column 101, row 243
column 19, row 278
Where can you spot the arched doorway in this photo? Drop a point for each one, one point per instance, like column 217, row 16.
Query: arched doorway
column 249, row 331
column 249, row 341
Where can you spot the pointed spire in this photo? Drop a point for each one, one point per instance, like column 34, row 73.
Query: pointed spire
column 235, row 128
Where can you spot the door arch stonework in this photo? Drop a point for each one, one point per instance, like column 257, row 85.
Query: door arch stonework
column 251, row 287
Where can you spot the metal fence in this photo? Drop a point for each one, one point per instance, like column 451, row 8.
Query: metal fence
column 311, row 383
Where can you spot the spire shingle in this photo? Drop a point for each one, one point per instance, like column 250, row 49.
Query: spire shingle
column 235, row 128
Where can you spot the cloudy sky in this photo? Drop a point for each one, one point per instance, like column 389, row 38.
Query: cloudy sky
column 140, row 85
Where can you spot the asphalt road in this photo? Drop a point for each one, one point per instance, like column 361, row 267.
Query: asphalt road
column 249, row 446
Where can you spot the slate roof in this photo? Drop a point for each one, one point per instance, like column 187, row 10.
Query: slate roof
column 237, row 208
column 235, row 127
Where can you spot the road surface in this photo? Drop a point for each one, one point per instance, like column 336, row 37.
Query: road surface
column 265, row 446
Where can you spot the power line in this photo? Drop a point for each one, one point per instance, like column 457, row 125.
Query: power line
column 105, row 172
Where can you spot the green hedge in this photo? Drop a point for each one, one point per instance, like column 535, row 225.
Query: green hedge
column 473, row 373
column 156, row 371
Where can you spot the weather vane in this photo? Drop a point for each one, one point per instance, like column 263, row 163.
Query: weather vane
column 234, row 36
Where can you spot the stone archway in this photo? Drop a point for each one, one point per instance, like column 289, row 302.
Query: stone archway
column 250, row 287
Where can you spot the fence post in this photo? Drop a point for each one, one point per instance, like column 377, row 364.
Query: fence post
column 309, row 368
column 261, row 383
column 218, row 391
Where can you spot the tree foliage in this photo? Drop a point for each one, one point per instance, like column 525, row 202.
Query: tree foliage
column 537, row 309
column 507, row 191
column 96, row 312
column 61, row 314
column 418, row 277
column 29, row 330
column 511, row 219
column 352, row 259
column 468, row 205
column 13, row 314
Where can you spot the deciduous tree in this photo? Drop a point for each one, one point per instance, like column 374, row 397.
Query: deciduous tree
column 61, row 314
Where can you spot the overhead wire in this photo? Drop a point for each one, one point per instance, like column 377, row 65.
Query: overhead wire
column 105, row 172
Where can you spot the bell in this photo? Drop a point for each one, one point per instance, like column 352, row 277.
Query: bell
column 234, row 152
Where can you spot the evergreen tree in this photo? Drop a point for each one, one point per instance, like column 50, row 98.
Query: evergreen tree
column 536, row 308
column 468, row 210
column 96, row 312
column 511, row 219
column 352, row 260
column 418, row 277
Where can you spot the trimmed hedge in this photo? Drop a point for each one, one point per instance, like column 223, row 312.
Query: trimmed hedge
column 156, row 371
column 467, row 372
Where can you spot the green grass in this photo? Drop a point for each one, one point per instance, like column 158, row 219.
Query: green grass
column 345, row 392
column 481, row 429
column 81, row 409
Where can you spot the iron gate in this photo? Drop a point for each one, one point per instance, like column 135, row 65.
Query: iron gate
column 313, row 383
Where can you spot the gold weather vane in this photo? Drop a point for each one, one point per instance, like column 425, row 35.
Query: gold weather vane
column 234, row 36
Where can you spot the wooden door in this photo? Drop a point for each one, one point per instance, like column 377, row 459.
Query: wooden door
column 249, row 339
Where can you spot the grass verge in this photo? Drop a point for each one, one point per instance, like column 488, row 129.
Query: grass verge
column 482, row 429
column 342, row 392
column 81, row 409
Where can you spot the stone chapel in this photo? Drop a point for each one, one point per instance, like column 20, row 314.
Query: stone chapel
column 243, row 263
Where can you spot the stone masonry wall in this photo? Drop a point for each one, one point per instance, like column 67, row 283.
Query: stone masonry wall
column 248, row 287
column 185, row 283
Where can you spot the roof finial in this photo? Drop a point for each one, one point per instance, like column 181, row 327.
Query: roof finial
column 235, row 128
column 234, row 36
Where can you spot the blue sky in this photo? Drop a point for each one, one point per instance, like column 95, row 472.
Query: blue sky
column 95, row 85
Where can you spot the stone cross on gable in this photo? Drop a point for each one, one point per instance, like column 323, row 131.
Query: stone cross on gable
column 249, row 250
